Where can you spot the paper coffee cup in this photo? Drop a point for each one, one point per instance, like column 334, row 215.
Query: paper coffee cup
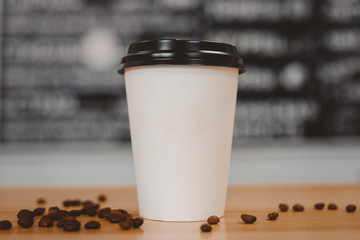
column 181, row 99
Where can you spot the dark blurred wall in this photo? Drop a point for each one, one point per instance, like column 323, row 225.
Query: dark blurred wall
column 59, row 60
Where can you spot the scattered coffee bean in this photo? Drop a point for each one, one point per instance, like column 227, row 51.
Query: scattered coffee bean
column 107, row 215
column 128, row 217
column 283, row 207
column 122, row 211
column 319, row 206
column 75, row 213
column 69, row 203
column 101, row 198
column 137, row 222
column 298, row 208
column 92, row 225
column 332, row 206
column 91, row 212
column 88, row 203
column 213, row 219
column 62, row 221
column 46, row 221
column 25, row 213
column 248, row 218
column 351, row 208
column 72, row 226
column 53, row 210
column 41, row 201
column 5, row 225
column 100, row 212
column 116, row 217
column 125, row 224
column 38, row 211
column 25, row 222
column 116, row 211
column 63, row 213
column 205, row 227
column 90, row 208
column 69, row 218
column 273, row 216
column 55, row 216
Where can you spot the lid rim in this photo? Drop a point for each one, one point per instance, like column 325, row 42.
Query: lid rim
column 122, row 70
column 181, row 52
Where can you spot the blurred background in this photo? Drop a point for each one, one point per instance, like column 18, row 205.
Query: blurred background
column 63, row 105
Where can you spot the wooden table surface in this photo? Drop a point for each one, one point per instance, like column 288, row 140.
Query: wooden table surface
column 256, row 200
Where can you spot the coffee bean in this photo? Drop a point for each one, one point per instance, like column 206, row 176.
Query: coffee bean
column 90, row 208
column 107, row 215
column 63, row 213
column 116, row 217
column 205, row 227
column 248, row 218
column 91, row 212
column 41, row 201
column 68, row 218
column 76, row 202
column 53, row 210
column 72, row 226
column 62, row 221
column 283, row 207
column 298, row 208
column 125, row 224
column 128, row 217
column 113, row 214
column 5, row 225
column 68, row 203
column 319, row 206
column 273, row 216
column 46, row 221
column 351, row 208
column 75, row 213
column 122, row 211
column 332, row 206
column 38, row 211
column 137, row 222
column 25, row 213
column 101, row 198
column 92, row 225
column 213, row 219
column 25, row 222
column 88, row 203
column 100, row 212
column 55, row 216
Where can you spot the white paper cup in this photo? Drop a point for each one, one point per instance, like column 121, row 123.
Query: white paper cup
column 181, row 123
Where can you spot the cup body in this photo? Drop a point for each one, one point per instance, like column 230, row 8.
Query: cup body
column 181, row 123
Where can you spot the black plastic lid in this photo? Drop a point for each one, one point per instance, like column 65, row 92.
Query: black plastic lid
column 181, row 52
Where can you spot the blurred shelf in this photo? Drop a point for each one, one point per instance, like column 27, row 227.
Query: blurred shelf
column 288, row 160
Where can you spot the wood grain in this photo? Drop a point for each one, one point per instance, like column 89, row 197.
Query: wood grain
column 256, row 200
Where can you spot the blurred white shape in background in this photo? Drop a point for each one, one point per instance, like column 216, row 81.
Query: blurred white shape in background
column 100, row 49
column 293, row 76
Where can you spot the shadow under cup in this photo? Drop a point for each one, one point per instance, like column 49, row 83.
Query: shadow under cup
column 181, row 99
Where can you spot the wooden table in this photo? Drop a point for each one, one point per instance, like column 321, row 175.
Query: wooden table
column 257, row 200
